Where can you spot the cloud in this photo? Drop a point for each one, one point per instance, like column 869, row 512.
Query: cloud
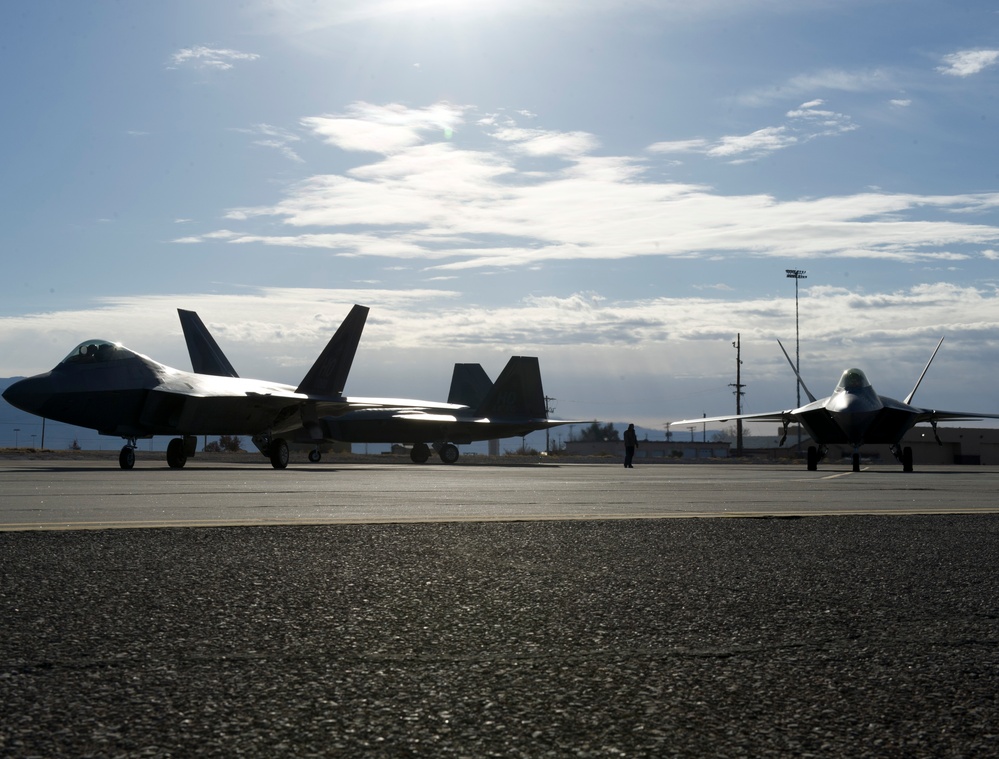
column 583, row 339
column 385, row 129
column 539, row 142
column 510, row 197
column 273, row 137
column 755, row 144
column 968, row 62
column 804, row 123
column 204, row 57
column 835, row 80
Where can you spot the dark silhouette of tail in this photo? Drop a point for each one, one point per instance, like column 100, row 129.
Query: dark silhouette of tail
column 328, row 375
column 469, row 385
column 206, row 356
column 517, row 393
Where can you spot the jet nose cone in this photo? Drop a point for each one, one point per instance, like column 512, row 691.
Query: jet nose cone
column 27, row 394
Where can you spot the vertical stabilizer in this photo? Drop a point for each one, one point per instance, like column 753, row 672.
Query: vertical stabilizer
column 795, row 370
column 469, row 385
column 206, row 356
column 517, row 393
column 908, row 398
column 328, row 375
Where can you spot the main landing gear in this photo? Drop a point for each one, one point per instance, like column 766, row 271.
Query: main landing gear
column 420, row 452
column 179, row 450
column 813, row 458
column 278, row 453
column 275, row 449
column 904, row 455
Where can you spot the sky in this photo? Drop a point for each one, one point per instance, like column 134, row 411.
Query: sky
column 616, row 187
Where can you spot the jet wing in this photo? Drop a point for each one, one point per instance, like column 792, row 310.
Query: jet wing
column 933, row 415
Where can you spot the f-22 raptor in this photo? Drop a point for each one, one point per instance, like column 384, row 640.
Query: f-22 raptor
column 104, row 386
column 855, row 415
column 477, row 409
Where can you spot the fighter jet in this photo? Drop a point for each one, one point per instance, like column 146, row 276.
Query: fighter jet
column 104, row 386
column 855, row 415
column 513, row 407
column 476, row 408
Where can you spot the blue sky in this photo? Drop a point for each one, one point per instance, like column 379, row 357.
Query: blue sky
column 615, row 187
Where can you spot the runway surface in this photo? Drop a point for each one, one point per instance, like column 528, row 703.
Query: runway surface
column 75, row 495
column 476, row 611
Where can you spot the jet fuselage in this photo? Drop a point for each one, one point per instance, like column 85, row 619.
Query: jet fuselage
column 109, row 388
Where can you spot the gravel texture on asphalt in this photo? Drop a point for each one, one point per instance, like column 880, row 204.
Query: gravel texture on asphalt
column 841, row 636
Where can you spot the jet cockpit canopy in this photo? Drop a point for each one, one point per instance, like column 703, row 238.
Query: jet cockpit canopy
column 96, row 351
column 852, row 381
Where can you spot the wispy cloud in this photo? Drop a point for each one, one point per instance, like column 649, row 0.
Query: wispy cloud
column 808, row 121
column 204, row 57
column 583, row 338
column 968, row 62
column 824, row 80
column 525, row 196
column 268, row 136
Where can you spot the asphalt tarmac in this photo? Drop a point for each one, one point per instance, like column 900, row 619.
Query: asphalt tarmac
column 59, row 494
column 497, row 611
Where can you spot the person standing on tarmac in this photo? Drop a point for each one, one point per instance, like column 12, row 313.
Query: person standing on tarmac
column 630, row 444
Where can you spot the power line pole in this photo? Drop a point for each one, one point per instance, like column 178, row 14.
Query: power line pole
column 797, row 274
column 738, row 392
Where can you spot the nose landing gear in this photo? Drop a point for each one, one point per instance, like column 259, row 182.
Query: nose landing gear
column 126, row 457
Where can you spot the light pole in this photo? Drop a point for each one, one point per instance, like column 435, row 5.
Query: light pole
column 797, row 274
column 16, row 430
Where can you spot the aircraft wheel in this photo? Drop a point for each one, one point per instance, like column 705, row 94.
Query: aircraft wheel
column 126, row 459
column 315, row 456
column 279, row 453
column 813, row 458
column 176, row 453
column 420, row 453
column 856, row 462
column 448, row 453
column 907, row 459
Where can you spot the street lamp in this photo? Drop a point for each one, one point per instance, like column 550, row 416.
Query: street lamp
column 16, row 430
column 797, row 274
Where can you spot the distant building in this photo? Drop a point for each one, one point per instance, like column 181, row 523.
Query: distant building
column 655, row 450
column 958, row 445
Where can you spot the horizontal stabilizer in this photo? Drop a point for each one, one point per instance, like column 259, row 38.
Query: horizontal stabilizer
column 206, row 356
column 328, row 375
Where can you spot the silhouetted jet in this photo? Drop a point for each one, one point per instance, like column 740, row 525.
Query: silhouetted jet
column 855, row 415
column 104, row 386
column 476, row 409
